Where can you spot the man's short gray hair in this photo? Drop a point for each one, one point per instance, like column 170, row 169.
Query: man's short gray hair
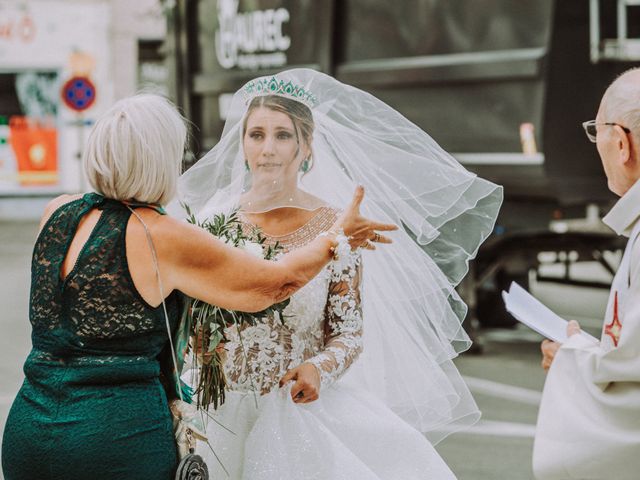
column 621, row 101
column 134, row 151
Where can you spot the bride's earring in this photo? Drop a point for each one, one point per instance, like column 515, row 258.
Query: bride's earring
column 246, row 165
column 306, row 164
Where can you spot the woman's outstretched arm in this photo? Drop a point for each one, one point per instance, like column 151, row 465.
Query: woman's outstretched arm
column 203, row 267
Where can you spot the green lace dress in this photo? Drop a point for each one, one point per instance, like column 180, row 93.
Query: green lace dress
column 91, row 405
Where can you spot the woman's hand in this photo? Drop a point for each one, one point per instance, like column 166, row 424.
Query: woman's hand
column 306, row 388
column 549, row 348
column 360, row 230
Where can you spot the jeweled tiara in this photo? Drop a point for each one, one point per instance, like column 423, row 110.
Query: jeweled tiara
column 274, row 86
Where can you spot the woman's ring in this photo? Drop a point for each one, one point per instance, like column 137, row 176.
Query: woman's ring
column 376, row 237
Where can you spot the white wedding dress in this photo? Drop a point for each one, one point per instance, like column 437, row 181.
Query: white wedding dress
column 259, row 433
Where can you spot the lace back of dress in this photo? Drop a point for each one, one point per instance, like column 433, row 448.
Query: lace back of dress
column 97, row 305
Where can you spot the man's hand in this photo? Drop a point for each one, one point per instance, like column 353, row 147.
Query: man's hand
column 549, row 348
column 572, row 328
column 306, row 388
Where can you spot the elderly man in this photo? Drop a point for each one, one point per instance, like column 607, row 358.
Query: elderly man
column 589, row 420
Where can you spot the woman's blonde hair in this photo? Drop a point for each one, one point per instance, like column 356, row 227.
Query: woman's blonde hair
column 134, row 151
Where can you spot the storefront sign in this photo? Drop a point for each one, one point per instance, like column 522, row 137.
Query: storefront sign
column 19, row 28
column 251, row 40
column 42, row 33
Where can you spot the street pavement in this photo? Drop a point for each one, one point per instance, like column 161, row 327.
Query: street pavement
column 506, row 379
column 16, row 242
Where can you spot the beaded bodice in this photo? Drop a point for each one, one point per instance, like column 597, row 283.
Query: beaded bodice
column 321, row 325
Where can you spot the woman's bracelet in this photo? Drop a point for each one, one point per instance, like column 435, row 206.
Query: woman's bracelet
column 342, row 247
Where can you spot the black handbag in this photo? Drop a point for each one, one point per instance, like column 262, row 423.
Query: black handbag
column 192, row 467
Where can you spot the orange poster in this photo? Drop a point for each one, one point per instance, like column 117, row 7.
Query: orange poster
column 35, row 146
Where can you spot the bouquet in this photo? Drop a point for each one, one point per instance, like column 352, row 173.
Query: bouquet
column 208, row 322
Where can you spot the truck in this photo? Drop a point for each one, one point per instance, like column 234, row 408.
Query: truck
column 504, row 86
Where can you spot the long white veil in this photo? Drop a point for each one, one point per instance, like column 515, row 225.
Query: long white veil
column 412, row 313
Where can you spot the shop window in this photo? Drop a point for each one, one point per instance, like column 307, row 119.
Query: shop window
column 28, row 131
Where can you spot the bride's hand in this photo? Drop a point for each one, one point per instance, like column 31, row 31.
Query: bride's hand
column 360, row 230
column 306, row 388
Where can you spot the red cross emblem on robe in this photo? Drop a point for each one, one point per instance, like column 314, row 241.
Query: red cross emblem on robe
column 613, row 329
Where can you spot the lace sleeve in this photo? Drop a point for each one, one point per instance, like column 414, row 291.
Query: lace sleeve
column 343, row 321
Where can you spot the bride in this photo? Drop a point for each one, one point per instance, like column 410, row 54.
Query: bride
column 355, row 380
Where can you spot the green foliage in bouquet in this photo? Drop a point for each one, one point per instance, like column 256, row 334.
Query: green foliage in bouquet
column 208, row 322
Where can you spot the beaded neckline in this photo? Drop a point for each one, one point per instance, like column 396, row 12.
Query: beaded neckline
column 320, row 222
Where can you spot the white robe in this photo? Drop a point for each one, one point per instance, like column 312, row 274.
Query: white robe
column 589, row 420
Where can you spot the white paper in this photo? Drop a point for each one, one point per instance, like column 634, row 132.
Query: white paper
column 528, row 310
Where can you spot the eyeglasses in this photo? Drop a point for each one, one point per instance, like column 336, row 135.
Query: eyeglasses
column 591, row 130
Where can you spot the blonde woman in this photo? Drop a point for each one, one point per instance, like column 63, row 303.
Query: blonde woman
column 92, row 405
